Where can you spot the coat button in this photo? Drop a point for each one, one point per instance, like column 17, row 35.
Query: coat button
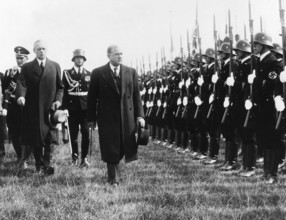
column 128, row 97
column 130, row 109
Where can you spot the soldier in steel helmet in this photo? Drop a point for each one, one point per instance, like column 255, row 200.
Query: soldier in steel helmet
column 242, row 98
column 228, row 126
column 268, row 92
column 76, row 81
column 212, row 117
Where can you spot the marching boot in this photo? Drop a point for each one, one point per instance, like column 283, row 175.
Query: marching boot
column 170, row 138
column 194, row 144
column 178, row 139
column 224, row 163
column 249, row 160
column 274, row 156
column 267, row 164
column 185, row 140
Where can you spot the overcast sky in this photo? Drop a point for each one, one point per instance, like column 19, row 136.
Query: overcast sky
column 140, row 27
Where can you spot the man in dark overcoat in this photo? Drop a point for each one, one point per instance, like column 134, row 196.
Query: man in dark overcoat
column 114, row 103
column 39, row 91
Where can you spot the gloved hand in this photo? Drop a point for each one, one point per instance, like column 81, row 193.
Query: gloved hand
column 159, row 103
column 150, row 90
column 198, row 100
column 230, row 80
column 251, row 77
column 185, row 101
column 181, row 84
column 21, row 101
column 226, row 102
column 155, row 90
column 214, row 78
column 211, row 98
column 55, row 105
column 279, row 103
column 200, row 81
column 248, row 104
column 4, row 112
column 179, row 101
column 283, row 76
column 188, row 82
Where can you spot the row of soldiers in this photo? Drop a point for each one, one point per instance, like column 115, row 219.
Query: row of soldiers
column 228, row 93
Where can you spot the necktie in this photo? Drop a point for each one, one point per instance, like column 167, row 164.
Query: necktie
column 78, row 71
column 115, row 72
column 42, row 66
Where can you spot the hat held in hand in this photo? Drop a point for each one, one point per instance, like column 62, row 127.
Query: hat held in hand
column 56, row 117
column 142, row 135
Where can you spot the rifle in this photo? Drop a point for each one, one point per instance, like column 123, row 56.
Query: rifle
column 179, row 101
column 200, row 64
column 230, row 65
column 282, row 21
column 251, row 63
column 215, row 68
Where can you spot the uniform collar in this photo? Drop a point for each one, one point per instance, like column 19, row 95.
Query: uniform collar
column 78, row 68
column 262, row 56
column 245, row 58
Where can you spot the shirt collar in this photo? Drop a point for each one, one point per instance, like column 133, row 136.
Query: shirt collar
column 226, row 61
column 262, row 56
column 40, row 61
column 77, row 69
column 112, row 67
column 245, row 58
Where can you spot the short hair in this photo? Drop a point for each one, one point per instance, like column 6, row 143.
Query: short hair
column 109, row 49
column 37, row 42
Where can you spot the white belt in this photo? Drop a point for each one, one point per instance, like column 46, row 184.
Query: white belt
column 13, row 96
column 78, row 93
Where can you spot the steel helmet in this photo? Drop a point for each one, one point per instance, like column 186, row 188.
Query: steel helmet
column 177, row 60
column 243, row 45
column 277, row 49
column 210, row 52
column 78, row 53
column 263, row 39
column 197, row 58
column 225, row 48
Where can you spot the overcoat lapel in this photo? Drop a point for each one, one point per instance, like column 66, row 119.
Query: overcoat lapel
column 109, row 78
column 37, row 68
column 124, row 79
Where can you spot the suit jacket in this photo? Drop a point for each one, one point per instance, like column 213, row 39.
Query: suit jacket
column 73, row 98
column 115, row 112
column 40, row 90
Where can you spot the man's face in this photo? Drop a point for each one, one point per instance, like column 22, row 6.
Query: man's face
column 257, row 48
column 21, row 60
column 222, row 56
column 40, row 51
column 115, row 56
column 239, row 54
column 78, row 61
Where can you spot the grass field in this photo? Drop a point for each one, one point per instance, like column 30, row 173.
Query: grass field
column 162, row 184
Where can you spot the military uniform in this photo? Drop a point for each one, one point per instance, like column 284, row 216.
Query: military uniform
column 76, row 82
column 14, row 113
column 266, row 85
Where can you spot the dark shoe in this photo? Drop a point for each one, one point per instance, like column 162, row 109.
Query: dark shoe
column 230, row 167
column 260, row 160
column 248, row 173
column 23, row 165
column 75, row 162
column 49, row 170
column 194, row 154
column 40, row 170
column 84, row 163
column 211, row 161
column 200, row 157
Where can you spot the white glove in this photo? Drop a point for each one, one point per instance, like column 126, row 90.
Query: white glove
column 141, row 122
column 165, row 105
column 211, row 98
column 159, row 103
column 142, row 103
column 200, row 81
column 21, row 101
column 279, row 104
column 143, row 91
column 4, row 112
column 198, row 100
column 230, row 80
column 179, row 101
column 185, row 101
column 166, row 88
column 214, row 78
column 150, row 90
column 248, row 104
column 251, row 77
column 283, row 76
column 161, row 89
column 226, row 102
column 151, row 104
column 181, row 84
column 188, row 82
column 155, row 90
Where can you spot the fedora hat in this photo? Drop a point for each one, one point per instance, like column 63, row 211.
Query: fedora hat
column 56, row 117
column 142, row 135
